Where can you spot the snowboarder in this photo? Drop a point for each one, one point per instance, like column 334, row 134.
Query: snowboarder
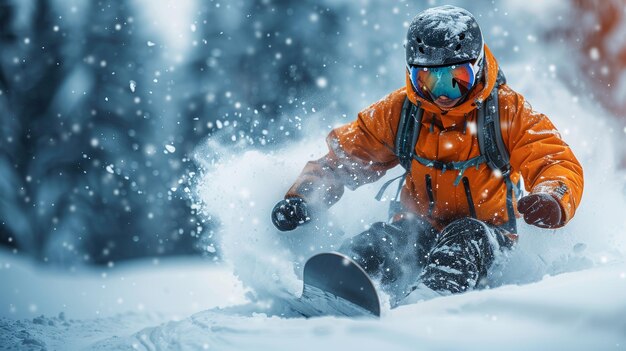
column 466, row 139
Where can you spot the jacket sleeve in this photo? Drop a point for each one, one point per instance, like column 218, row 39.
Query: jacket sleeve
column 538, row 152
column 360, row 152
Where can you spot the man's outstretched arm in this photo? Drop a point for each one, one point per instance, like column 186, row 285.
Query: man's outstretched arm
column 551, row 172
column 359, row 152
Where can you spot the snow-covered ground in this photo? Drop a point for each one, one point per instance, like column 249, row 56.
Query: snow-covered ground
column 72, row 310
column 573, row 311
column 173, row 288
column 576, row 311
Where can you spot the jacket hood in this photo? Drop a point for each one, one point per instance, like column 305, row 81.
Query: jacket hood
column 478, row 94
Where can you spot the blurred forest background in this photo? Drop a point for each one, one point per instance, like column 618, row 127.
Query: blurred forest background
column 103, row 103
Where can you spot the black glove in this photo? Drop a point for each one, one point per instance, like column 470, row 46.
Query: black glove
column 541, row 210
column 290, row 213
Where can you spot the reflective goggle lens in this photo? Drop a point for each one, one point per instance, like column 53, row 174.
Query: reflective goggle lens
column 449, row 83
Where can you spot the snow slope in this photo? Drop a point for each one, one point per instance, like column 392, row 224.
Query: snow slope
column 575, row 311
column 42, row 308
column 173, row 288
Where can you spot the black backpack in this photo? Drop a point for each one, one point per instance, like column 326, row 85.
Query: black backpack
column 493, row 152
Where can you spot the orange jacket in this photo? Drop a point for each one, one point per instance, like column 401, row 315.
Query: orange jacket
column 362, row 151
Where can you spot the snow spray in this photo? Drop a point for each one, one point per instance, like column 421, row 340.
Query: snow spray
column 240, row 188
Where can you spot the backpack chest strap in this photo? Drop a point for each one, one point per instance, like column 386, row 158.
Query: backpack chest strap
column 459, row 166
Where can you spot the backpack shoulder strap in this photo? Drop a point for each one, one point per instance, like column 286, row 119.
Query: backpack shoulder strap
column 501, row 78
column 493, row 148
column 409, row 128
column 489, row 133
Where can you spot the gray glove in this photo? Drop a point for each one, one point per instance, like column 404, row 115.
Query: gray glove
column 289, row 213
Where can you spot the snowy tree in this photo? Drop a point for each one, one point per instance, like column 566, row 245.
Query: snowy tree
column 88, row 173
column 36, row 165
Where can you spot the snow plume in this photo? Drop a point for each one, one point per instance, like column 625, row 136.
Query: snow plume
column 240, row 189
column 233, row 191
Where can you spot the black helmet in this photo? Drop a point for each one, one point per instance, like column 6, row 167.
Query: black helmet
column 442, row 36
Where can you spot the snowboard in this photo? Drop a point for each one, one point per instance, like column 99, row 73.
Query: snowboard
column 334, row 285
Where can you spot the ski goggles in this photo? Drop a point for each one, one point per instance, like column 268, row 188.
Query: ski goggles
column 444, row 85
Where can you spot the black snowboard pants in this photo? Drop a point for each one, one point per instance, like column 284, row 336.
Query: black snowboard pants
column 411, row 250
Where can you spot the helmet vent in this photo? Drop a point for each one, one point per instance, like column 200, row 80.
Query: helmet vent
column 419, row 40
column 421, row 49
column 458, row 47
column 462, row 36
